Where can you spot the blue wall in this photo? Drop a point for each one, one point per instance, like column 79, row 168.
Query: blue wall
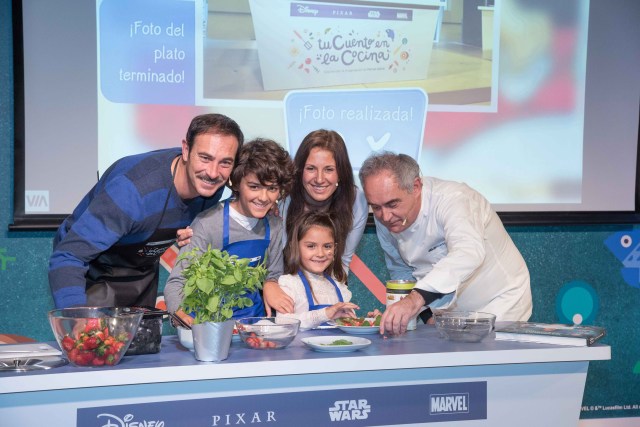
column 556, row 256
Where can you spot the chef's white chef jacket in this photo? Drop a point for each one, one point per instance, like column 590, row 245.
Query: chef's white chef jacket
column 459, row 247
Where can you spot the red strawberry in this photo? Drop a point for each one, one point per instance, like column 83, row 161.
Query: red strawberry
column 85, row 358
column 92, row 325
column 73, row 354
column 67, row 343
column 98, row 361
column 91, row 343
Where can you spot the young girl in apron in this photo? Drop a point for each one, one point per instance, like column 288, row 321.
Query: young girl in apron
column 315, row 278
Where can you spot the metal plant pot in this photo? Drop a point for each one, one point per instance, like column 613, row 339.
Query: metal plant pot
column 211, row 340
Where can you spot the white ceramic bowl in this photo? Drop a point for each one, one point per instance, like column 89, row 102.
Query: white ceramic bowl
column 186, row 337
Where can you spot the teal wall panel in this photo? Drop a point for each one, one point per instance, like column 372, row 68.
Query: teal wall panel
column 557, row 257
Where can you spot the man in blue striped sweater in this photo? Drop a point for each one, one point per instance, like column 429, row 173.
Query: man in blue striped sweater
column 107, row 252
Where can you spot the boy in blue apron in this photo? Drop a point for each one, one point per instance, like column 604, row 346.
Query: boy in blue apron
column 240, row 225
column 315, row 278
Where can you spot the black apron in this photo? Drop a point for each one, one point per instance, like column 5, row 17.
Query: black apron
column 127, row 275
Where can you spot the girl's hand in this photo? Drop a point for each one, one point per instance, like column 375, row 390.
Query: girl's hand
column 341, row 309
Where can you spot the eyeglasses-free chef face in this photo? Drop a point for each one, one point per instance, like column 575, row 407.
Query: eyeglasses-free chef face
column 393, row 206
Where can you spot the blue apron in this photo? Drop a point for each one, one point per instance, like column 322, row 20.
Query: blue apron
column 255, row 250
column 307, row 289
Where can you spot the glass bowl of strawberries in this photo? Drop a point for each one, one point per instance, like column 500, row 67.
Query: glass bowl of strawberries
column 267, row 333
column 95, row 336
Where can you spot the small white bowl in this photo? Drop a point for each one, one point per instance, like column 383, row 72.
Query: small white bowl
column 186, row 337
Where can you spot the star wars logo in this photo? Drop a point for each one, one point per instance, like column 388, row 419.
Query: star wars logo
column 346, row 410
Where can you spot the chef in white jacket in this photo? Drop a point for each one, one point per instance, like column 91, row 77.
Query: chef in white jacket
column 447, row 237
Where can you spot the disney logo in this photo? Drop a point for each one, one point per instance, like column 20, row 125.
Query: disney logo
column 127, row 421
column 306, row 10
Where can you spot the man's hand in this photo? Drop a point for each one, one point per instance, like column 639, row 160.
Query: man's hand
column 183, row 236
column 275, row 210
column 276, row 298
column 395, row 318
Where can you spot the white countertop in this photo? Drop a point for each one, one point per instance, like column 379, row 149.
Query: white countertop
column 422, row 348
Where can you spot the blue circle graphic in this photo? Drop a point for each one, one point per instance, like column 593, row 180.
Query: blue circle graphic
column 577, row 303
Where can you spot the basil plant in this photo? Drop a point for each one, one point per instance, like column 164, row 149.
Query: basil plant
column 216, row 283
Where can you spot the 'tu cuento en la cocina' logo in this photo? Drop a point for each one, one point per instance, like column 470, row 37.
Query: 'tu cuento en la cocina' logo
column 344, row 410
column 450, row 403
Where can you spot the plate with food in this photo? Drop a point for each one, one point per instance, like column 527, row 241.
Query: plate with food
column 336, row 343
column 359, row 325
column 330, row 324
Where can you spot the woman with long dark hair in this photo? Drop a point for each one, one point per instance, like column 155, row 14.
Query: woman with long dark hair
column 324, row 182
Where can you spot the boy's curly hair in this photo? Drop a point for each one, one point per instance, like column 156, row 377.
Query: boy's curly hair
column 269, row 161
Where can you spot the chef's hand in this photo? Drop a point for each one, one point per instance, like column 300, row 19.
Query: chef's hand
column 183, row 236
column 276, row 299
column 395, row 318
column 341, row 309
column 374, row 313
